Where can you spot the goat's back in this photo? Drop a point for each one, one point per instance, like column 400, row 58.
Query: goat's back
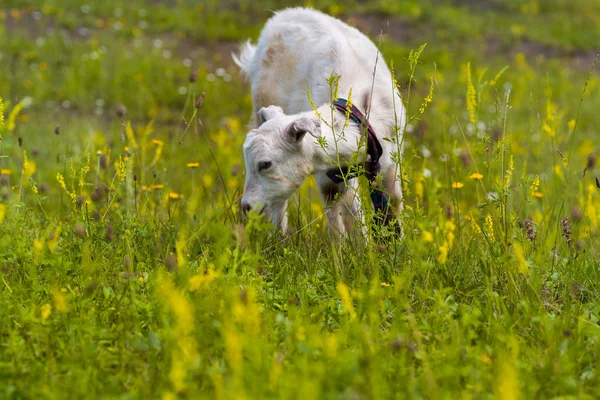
column 300, row 49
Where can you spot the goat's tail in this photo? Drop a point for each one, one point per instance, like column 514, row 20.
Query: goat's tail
column 245, row 56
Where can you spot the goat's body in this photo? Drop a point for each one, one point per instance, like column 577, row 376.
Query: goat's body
column 299, row 50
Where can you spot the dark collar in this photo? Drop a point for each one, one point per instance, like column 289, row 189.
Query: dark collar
column 374, row 149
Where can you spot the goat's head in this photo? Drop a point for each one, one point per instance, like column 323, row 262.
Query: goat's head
column 278, row 160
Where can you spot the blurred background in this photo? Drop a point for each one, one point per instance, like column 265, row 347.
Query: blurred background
column 119, row 206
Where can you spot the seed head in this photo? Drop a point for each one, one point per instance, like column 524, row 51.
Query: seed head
column 421, row 130
column 79, row 201
column 591, row 161
column 465, row 157
column 527, row 226
column 79, row 230
column 20, row 141
column 576, row 214
column 566, row 229
column 200, row 100
column 57, row 129
column 104, row 161
column 193, row 75
column 171, row 262
column 449, row 210
column 121, row 111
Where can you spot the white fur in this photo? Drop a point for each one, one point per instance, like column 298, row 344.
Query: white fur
column 300, row 49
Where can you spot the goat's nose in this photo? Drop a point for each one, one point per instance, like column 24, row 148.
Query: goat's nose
column 246, row 208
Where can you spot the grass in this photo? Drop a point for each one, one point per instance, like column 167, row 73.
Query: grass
column 125, row 271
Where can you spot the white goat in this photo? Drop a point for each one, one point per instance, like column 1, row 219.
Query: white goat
column 301, row 49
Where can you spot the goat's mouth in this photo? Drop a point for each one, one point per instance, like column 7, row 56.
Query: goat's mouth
column 246, row 215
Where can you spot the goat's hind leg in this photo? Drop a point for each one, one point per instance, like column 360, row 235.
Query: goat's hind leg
column 393, row 188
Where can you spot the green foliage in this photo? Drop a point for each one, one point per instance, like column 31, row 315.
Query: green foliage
column 126, row 271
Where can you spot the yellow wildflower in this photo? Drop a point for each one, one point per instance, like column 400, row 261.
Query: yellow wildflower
column 443, row 256
column 486, row 359
column 507, row 383
column 1, row 112
column 427, row 236
column 331, row 345
column 53, row 240
column 427, row 99
column 489, row 225
column 346, row 300
column 61, row 182
column 177, row 374
column 202, row 280
column 534, row 185
column 28, row 166
column 312, row 103
column 419, row 187
column 12, row 116
column 174, row 196
column 168, row 396
column 539, row 195
column 208, row 181
column 457, row 185
column 159, row 186
column 509, row 171
column 471, row 96
column 476, row 176
column 5, row 172
column 193, row 165
column 46, row 311
column 546, row 128
column 60, row 302
column 121, row 168
column 474, row 225
column 522, row 265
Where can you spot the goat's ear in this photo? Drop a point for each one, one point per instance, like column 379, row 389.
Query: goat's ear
column 266, row 113
column 300, row 127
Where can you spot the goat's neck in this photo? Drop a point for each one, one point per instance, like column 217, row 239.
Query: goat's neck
column 340, row 140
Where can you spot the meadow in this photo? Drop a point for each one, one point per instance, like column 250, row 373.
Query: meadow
column 126, row 270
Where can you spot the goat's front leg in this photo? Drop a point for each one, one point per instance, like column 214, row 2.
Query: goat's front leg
column 355, row 220
column 332, row 194
column 344, row 210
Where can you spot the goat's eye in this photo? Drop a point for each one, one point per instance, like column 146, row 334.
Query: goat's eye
column 264, row 165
